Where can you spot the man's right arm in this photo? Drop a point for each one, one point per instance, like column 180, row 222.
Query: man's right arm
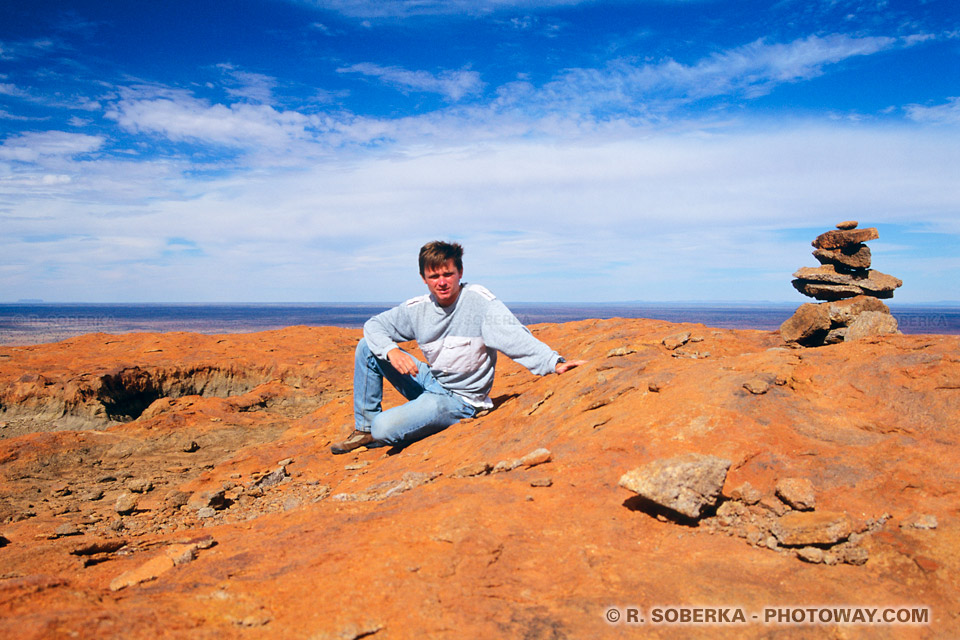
column 384, row 330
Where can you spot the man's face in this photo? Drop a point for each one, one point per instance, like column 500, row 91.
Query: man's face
column 443, row 282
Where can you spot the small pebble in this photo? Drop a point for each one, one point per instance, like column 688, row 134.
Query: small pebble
column 921, row 521
column 746, row 493
column 798, row 493
column 757, row 386
column 811, row 554
column 67, row 530
column 60, row 489
column 140, row 485
column 126, row 503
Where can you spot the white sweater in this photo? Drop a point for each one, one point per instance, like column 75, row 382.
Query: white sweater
column 460, row 342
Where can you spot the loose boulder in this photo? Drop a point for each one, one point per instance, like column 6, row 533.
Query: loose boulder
column 808, row 324
column 687, row 484
column 871, row 323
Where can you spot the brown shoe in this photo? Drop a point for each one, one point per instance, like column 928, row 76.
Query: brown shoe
column 355, row 440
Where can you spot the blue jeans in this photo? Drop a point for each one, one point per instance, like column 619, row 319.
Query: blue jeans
column 431, row 407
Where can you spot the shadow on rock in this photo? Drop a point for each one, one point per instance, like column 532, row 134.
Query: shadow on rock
column 654, row 510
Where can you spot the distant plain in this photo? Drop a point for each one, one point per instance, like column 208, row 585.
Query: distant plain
column 35, row 323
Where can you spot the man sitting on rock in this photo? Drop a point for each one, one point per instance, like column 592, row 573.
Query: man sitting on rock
column 459, row 328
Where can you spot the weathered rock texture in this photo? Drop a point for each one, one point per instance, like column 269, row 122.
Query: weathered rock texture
column 850, row 286
column 687, row 484
column 429, row 542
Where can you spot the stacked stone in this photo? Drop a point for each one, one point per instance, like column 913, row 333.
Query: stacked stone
column 850, row 288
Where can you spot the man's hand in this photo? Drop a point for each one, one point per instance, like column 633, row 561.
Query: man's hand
column 402, row 362
column 563, row 367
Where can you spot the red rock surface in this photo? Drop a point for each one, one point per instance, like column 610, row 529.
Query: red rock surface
column 409, row 543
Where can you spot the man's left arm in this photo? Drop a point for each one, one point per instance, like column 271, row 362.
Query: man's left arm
column 505, row 333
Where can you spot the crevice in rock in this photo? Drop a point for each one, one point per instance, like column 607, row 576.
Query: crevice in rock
column 126, row 394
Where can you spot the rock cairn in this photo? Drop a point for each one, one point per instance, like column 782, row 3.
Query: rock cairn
column 850, row 289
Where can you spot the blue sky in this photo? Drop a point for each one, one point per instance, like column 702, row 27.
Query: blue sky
column 303, row 150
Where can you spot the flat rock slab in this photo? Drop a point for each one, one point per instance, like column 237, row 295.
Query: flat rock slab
column 828, row 291
column 840, row 238
column 871, row 280
column 173, row 556
column 855, row 256
column 826, row 283
column 802, row 528
column 686, row 484
column 383, row 490
column 151, row 570
column 676, row 340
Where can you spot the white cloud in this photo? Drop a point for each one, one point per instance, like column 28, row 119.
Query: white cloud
column 322, row 28
column 642, row 216
column 13, row 91
column 759, row 65
column 948, row 113
column 34, row 146
column 253, row 87
column 453, row 85
column 575, row 104
column 752, row 70
column 80, row 102
column 591, row 206
column 6, row 115
column 180, row 116
column 534, row 24
column 408, row 8
column 919, row 38
column 274, row 135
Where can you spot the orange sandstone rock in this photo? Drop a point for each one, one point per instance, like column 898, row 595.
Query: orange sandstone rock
column 422, row 551
column 840, row 238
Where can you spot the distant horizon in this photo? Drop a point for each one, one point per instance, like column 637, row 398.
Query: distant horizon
column 381, row 303
column 24, row 324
